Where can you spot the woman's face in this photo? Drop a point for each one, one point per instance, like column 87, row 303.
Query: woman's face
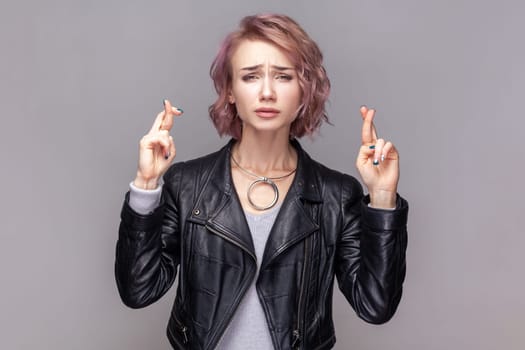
column 265, row 87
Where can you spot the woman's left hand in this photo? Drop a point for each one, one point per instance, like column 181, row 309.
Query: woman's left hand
column 378, row 164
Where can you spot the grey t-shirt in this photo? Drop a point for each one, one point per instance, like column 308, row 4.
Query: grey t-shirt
column 248, row 328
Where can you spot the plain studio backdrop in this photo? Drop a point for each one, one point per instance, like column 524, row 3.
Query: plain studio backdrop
column 81, row 82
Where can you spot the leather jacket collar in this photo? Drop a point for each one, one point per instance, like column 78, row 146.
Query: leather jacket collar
column 218, row 199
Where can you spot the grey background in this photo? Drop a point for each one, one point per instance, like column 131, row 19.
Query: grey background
column 81, row 81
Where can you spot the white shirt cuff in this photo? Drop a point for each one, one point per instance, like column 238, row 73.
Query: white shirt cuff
column 144, row 201
column 370, row 206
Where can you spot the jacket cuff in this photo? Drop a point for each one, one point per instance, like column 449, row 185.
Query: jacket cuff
column 385, row 219
column 141, row 222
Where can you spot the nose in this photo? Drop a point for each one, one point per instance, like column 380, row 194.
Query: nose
column 267, row 89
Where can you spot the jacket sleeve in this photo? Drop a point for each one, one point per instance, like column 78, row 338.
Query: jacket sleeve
column 370, row 254
column 148, row 249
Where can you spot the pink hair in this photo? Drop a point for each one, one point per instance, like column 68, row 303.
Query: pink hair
column 285, row 33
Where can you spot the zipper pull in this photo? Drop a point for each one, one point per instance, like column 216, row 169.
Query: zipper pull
column 184, row 330
column 296, row 338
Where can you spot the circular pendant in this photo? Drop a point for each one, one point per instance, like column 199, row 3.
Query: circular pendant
column 267, row 181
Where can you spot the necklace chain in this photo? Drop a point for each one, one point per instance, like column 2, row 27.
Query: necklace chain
column 262, row 180
column 246, row 171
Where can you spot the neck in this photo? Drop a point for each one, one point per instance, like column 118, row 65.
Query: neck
column 265, row 153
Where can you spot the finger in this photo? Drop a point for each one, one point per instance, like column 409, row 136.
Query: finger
column 157, row 123
column 368, row 132
column 364, row 111
column 156, row 141
column 169, row 112
column 164, row 120
column 167, row 121
column 166, row 142
column 378, row 151
column 170, row 155
column 366, row 154
column 389, row 152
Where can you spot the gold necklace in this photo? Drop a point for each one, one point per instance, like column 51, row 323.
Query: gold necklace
column 262, row 180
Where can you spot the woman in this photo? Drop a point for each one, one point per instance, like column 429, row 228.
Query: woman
column 258, row 230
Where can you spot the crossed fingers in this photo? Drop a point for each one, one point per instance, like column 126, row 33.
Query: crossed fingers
column 160, row 131
column 374, row 146
column 164, row 120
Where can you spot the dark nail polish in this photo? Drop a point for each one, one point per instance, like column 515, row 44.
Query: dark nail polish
column 372, row 146
column 167, row 155
column 376, row 162
column 180, row 110
column 164, row 102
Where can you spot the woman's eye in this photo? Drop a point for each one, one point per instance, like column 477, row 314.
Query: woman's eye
column 249, row 77
column 285, row 77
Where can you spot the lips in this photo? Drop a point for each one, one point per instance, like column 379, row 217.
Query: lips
column 267, row 112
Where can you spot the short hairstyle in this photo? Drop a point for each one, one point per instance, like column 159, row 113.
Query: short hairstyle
column 286, row 34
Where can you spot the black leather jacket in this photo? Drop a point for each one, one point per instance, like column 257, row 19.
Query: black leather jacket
column 324, row 228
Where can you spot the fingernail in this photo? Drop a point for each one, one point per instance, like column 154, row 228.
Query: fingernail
column 376, row 162
column 372, row 146
column 167, row 155
column 164, row 102
column 382, row 157
column 179, row 109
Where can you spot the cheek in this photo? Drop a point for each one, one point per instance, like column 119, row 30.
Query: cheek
column 294, row 95
column 244, row 95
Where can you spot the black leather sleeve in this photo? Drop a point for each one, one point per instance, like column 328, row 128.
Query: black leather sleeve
column 370, row 256
column 147, row 251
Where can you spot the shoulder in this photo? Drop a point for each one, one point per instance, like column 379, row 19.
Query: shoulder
column 330, row 180
column 341, row 185
column 333, row 176
column 186, row 177
column 196, row 166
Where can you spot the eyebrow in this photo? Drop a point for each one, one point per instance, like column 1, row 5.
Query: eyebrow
column 279, row 68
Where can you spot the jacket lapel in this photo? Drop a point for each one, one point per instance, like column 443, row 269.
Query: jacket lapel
column 218, row 206
column 294, row 222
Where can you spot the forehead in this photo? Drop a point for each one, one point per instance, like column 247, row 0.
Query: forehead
column 256, row 52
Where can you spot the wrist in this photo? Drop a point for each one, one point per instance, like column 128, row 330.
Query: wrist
column 383, row 199
column 145, row 183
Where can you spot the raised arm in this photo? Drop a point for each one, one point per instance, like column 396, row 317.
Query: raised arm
column 371, row 248
column 147, row 252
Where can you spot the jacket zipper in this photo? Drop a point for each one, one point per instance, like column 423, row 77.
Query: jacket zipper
column 184, row 331
column 182, row 328
column 245, row 287
column 296, row 334
column 220, row 234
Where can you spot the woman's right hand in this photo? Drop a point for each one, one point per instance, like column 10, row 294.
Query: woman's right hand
column 156, row 149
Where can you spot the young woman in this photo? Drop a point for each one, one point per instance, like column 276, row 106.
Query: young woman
column 258, row 230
